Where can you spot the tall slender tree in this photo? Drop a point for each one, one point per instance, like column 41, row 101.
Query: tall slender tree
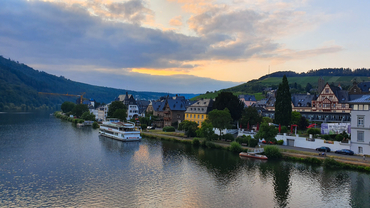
column 283, row 104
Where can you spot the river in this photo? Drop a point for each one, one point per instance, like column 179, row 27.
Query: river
column 45, row 161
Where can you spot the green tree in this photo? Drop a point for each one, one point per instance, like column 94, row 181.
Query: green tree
column 283, row 104
column 206, row 131
column 67, row 107
column 190, row 127
column 266, row 132
column 79, row 109
column 308, row 87
column 296, row 117
column 121, row 114
column 267, row 120
column 303, row 123
column 220, row 119
column 231, row 102
column 250, row 115
column 88, row 116
column 115, row 105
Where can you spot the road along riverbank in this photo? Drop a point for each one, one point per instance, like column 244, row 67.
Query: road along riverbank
column 294, row 155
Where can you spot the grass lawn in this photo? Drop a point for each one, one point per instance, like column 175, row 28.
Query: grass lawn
column 168, row 133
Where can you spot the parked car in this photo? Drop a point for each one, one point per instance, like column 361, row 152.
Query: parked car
column 149, row 127
column 323, row 149
column 345, row 152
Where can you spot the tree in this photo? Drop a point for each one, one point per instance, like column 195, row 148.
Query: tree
column 121, row 114
column 266, row 132
column 231, row 102
column 303, row 123
column 88, row 116
column 67, row 107
column 79, row 109
column 115, row 105
column 206, row 131
column 296, row 117
column 250, row 115
column 267, row 120
column 220, row 119
column 283, row 104
column 308, row 87
column 190, row 127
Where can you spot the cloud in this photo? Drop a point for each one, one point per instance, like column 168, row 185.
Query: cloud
column 176, row 21
column 111, row 35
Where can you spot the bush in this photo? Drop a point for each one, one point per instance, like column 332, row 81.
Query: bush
column 195, row 142
column 214, row 137
column 203, row 143
column 143, row 126
column 228, row 137
column 242, row 139
column 339, row 137
column 284, row 129
column 272, row 152
column 95, row 125
column 235, row 147
column 314, row 131
column 168, row 129
column 280, row 142
column 252, row 142
column 326, row 137
column 210, row 144
column 331, row 163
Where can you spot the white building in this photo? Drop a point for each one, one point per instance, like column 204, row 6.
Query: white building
column 360, row 125
column 103, row 112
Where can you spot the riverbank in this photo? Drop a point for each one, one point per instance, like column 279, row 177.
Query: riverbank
column 301, row 156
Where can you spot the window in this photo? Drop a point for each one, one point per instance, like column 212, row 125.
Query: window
column 355, row 107
column 198, row 116
column 360, row 136
column 343, row 105
column 202, row 116
column 187, row 115
column 326, row 90
column 366, row 107
column 360, row 121
column 360, row 107
column 190, row 115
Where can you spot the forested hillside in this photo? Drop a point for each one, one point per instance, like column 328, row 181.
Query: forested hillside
column 20, row 84
column 298, row 82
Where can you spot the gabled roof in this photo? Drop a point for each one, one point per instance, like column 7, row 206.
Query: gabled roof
column 158, row 106
column 248, row 97
column 364, row 86
column 302, row 100
column 363, row 99
column 176, row 105
column 200, row 106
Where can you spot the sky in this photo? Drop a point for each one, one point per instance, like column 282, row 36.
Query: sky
column 183, row 46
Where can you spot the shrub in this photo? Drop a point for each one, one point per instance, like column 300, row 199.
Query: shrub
column 210, row 144
column 168, row 129
column 284, row 129
column 339, row 137
column 214, row 137
column 195, row 142
column 235, row 147
column 228, row 137
column 280, row 142
column 203, row 143
column 272, row 152
column 242, row 139
column 326, row 137
column 314, row 131
column 143, row 126
column 252, row 142
column 95, row 125
column 331, row 163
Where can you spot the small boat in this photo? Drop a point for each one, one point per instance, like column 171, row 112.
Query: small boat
column 253, row 155
column 120, row 131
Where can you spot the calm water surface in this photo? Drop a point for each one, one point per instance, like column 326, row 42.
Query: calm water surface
column 48, row 162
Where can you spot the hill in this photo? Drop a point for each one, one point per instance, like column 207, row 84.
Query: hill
column 297, row 81
column 20, row 84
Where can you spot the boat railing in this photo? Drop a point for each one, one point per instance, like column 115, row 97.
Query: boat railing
column 257, row 150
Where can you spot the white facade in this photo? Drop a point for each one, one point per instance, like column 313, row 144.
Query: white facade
column 360, row 129
column 132, row 111
column 103, row 112
column 95, row 112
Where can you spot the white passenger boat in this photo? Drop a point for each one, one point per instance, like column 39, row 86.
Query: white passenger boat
column 120, row 131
